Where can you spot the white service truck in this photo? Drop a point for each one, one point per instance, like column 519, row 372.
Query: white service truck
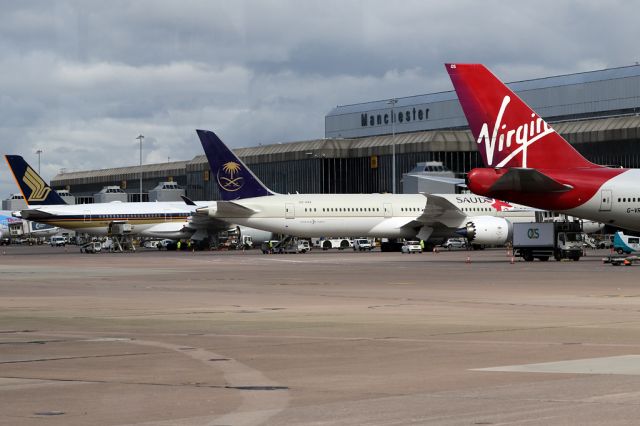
column 542, row 240
column 362, row 244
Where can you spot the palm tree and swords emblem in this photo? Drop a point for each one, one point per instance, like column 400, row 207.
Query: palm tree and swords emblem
column 230, row 182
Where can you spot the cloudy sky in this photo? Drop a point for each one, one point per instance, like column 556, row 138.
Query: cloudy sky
column 81, row 79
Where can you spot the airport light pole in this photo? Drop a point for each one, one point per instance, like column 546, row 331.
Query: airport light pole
column 140, row 138
column 393, row 102
column 39, row 152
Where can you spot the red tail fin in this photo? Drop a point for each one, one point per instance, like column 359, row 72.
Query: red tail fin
column 508, row 132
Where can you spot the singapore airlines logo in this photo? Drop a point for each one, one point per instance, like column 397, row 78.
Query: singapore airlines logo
column 39, row 189
column 501, row 138
column 228, row 178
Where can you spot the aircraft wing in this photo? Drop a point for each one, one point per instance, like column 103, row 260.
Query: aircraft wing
column 528, row 180
column 206, row 222
column 441, row 212
column 231, row 209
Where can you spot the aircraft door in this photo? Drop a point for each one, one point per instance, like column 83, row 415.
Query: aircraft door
column 87, row 216
column 606, row 196
column 388, row 209
column 289, row 211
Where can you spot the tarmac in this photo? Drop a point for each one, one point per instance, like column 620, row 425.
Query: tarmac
column 323, row 338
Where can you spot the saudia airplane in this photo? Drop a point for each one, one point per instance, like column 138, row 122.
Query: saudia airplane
column 171, row 220
column 247, row 201
column 529, row 163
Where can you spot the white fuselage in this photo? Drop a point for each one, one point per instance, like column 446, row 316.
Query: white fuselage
column 372, row 215
column 158, row 220
column 617, row 202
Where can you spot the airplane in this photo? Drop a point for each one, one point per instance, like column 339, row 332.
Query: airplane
column 170, row 220
column 26, row 228
column 247, row 201
column 527, row 162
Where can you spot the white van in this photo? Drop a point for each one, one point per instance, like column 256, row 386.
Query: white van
column 362, row 244
column 57, row 241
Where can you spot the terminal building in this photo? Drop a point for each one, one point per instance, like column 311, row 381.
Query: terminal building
column 597, row 112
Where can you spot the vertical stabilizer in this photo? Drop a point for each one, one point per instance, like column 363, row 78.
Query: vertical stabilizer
column 235, row 180
column 508, row 132
column 35, row 190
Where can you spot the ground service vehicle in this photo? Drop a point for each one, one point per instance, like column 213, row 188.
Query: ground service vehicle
column 605, row 242
column 57, row 241
column 625, row 244
column 411, row 247
column 541, row 240
column 455, row 243
column 301, row 246
column 269, row 246
column 91, row 247
column 362, row 244
column 339, row 243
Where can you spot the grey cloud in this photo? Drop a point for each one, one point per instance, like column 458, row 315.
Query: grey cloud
column 81, row 79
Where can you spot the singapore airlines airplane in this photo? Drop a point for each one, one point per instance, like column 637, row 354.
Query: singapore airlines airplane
column 529, row 163
column 248, row 202
column 172, row 220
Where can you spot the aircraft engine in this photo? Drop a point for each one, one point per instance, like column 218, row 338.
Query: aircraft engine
column 487, row 230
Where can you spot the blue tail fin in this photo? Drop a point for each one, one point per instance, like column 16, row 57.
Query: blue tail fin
column 235, row 180
column 35, row 190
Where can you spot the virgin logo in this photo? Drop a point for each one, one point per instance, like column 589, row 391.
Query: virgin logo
column 502, row 139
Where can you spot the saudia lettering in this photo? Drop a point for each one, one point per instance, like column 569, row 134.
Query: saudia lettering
column 524, row 135
column 471, row 199
column 496, row 204
column 400, row 117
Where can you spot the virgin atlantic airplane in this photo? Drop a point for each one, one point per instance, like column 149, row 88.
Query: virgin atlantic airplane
column 528, row 163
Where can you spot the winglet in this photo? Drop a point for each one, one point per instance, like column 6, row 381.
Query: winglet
column 188, row 201
column 235, row 180
column 35, row 190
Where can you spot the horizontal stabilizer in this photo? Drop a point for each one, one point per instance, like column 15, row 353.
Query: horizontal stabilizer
column 528, row 180
column 226, row 209
column 440, row 179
